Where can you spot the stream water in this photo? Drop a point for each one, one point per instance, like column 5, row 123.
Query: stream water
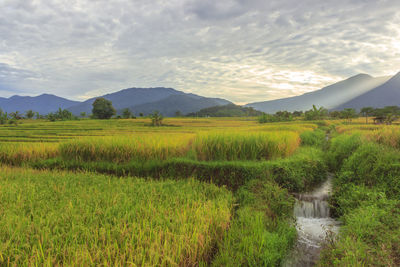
column 313, row 223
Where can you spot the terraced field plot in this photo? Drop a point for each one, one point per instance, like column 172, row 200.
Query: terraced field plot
column 212, row 191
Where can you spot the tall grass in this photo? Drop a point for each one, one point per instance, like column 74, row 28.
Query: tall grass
column 127, row 148
column 59, row 218
column 313, row 138
column 366, row 197
column 245, row 146
column 19, row 153
column 262, row 233
column 389, row 136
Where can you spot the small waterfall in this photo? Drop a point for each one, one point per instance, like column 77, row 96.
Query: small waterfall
column 312, row 208
column 313, row 223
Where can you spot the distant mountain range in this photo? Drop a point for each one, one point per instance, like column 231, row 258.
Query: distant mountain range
column 356, row 92
column 147, row 100
column 139, row 100
column 184, row 103
column 338, row 95
column 43, row 103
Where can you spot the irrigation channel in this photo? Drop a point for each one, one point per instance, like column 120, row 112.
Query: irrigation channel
column 314, row 225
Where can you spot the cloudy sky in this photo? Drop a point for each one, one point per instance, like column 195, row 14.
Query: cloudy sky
column 241, row 50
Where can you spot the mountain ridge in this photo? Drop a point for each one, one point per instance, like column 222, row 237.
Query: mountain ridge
column 387, row 94
column 43, row 103
column 147, row 100
column 329, row 97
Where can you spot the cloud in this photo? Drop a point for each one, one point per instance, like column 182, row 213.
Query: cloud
column 242, row 50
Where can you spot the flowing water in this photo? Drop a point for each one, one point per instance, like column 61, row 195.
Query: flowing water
column 313, row 225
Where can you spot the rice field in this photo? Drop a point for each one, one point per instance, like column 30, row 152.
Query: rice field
column 388, row 135
column 126, row 148
column 58, row 218
column 187, row 191
column 135, row 140
column 245, row 146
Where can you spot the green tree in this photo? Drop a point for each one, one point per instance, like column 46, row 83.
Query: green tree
column 156, row 118
column 3, row 117
column 315, row 113
column 102, row 109
column 390, row 118
column 335, row 114
column 83, row 114
column 16, row 115
column 126, row 113
column 29, row 114
column 51, row 116
column 63, row 114
column 264, row 118
column 297, row 113
column 366, row 111
column 348, row 113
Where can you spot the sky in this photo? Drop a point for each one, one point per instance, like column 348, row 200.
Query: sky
column 241, row 50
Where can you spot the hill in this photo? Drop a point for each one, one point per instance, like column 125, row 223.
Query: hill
column 43, row 104
column 147, row 100
column 182, row 103
column 127, row 98
column 387, row 94
column 229, row 110
column 328, row 97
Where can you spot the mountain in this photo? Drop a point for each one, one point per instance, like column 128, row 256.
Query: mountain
column 127, row 98
column 43, row 104
column 329, row 97
column 230, row 110
column 146, row 100
column 184, row 103
column 387, row 94
column 139, row 100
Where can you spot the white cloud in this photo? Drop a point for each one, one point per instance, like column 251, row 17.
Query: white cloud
column 240, row 50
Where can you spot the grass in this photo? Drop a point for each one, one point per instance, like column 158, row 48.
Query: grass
column 181, row 214
column 313, row 138
column 366, row 197
column 15, row 153
column 297, row 173
column 60, row 218
column 245, row 146
column 125, row 140
column 127, row 148
column 262, row 233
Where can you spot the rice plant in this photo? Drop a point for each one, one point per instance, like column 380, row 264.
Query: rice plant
column 127, row 148
column 58, row 218
column 245, row 146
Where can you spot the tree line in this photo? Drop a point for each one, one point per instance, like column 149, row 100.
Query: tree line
column 386, row 115
column 102, row 109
